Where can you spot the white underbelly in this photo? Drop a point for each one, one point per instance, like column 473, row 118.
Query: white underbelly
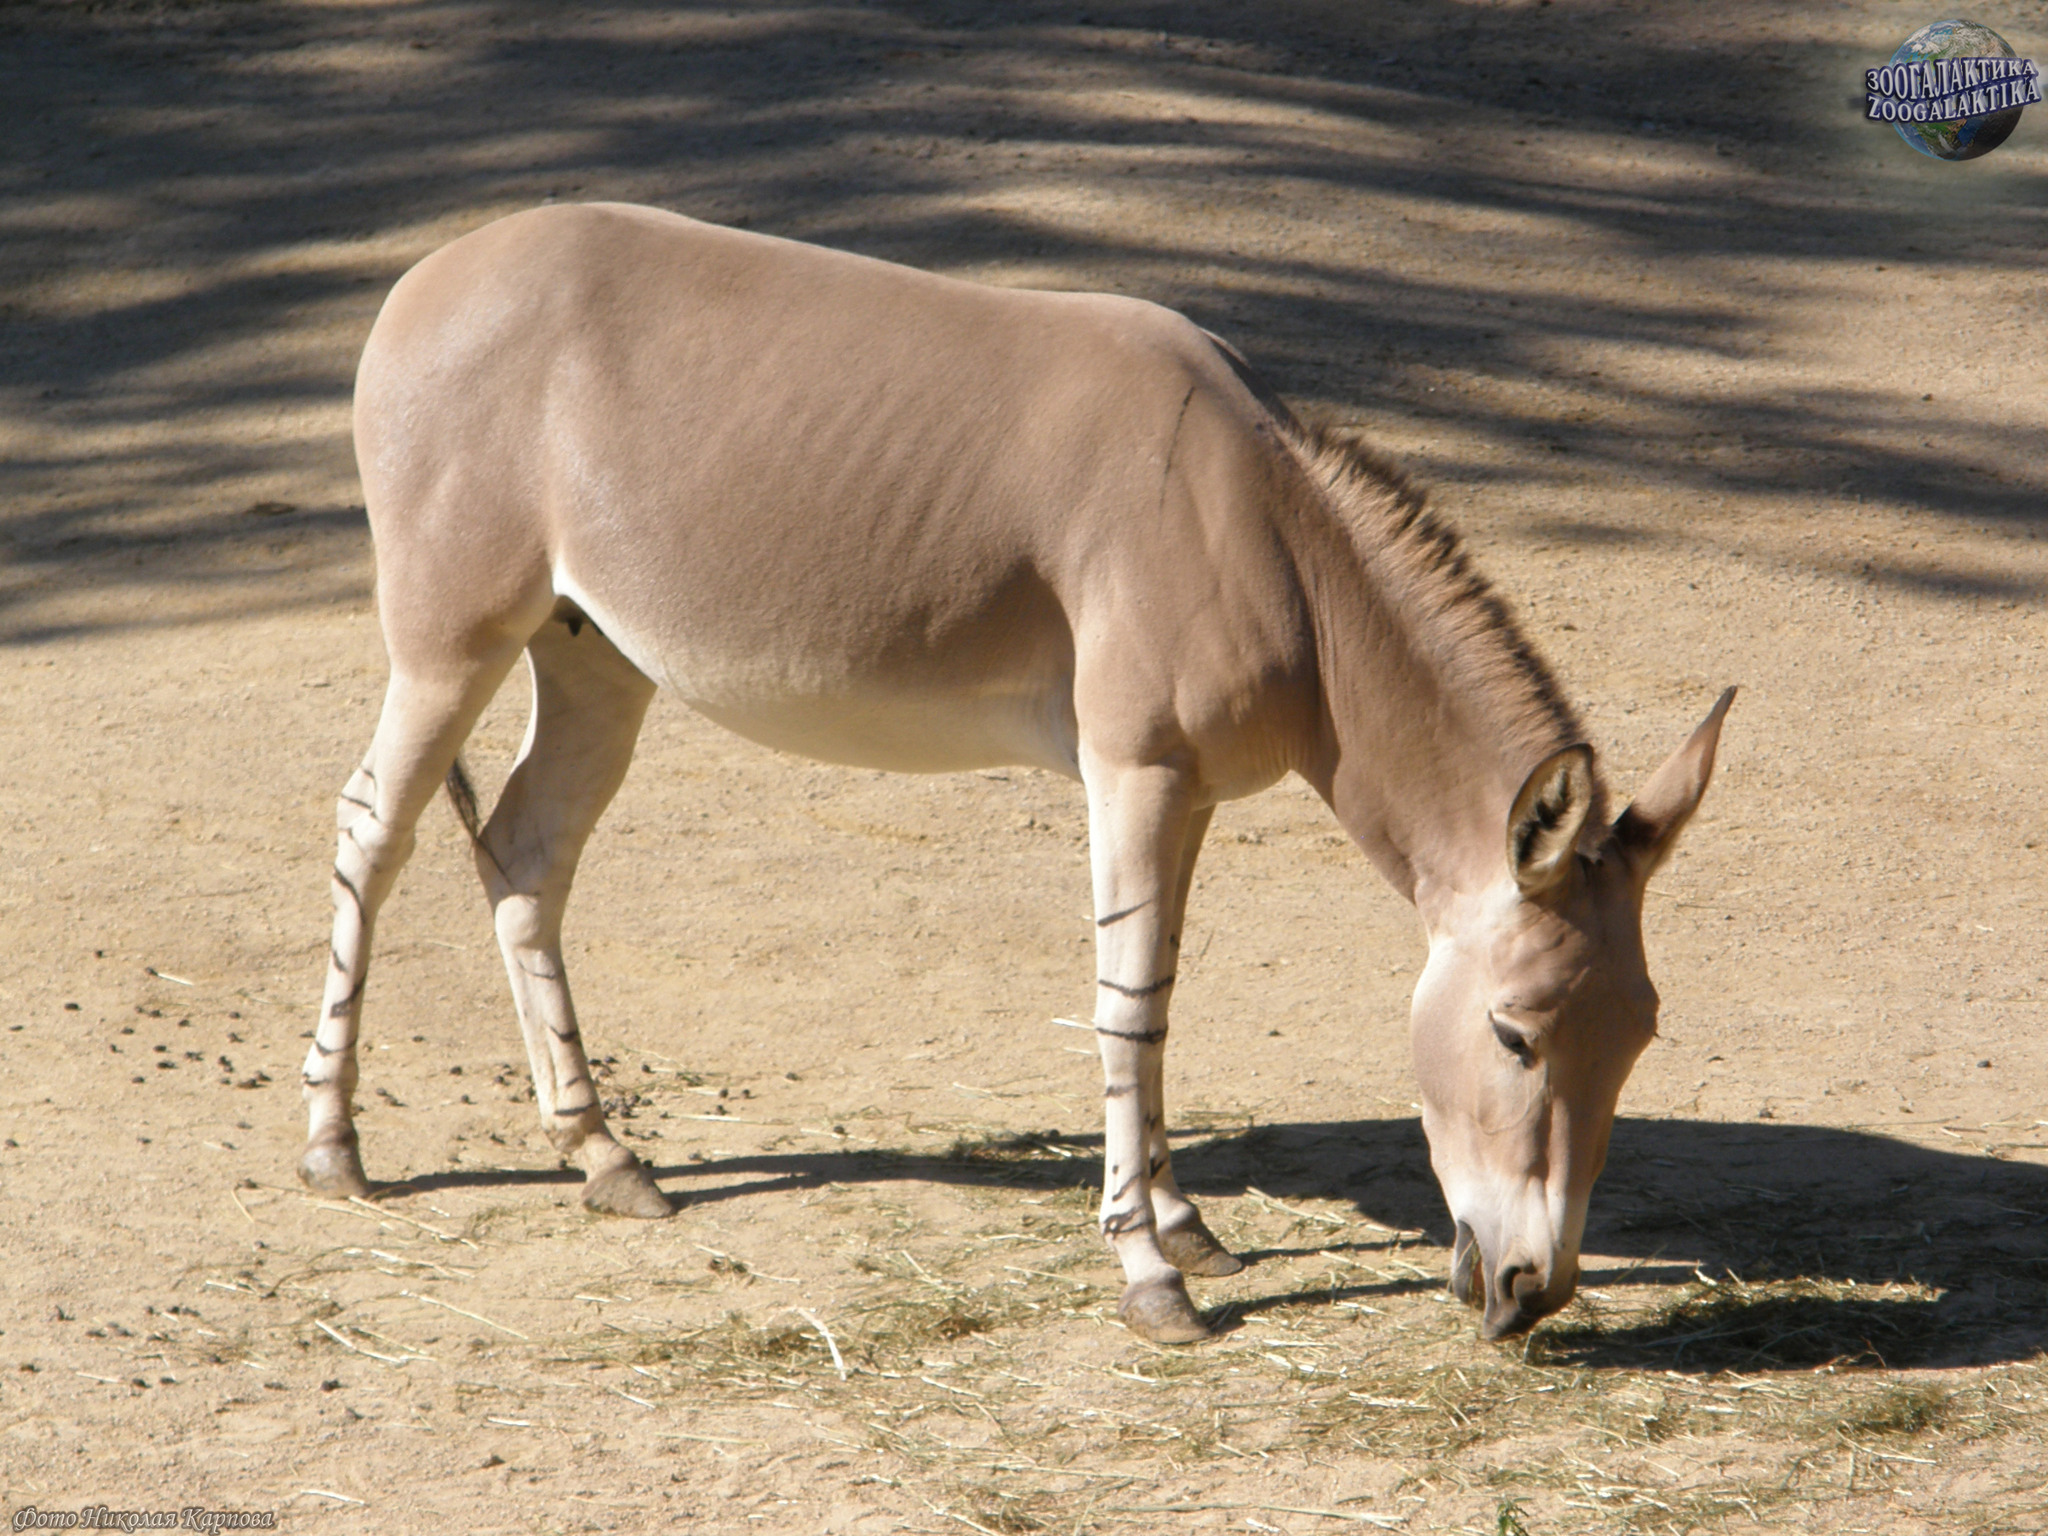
column 811, row 708
column 908, row 734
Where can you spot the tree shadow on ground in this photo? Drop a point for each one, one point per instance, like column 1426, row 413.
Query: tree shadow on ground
column 250, row 168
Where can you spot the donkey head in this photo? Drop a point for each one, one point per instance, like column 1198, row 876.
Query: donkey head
column 1533, row 1007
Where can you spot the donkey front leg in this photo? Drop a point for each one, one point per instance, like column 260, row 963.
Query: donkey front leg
column 1184, row 1237
column 1138, row 826
column 588, row 702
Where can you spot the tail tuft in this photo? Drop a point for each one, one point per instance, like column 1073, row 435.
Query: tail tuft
column 462, row 795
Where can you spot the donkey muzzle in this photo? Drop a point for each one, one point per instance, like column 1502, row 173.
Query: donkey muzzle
column 1519, row 1297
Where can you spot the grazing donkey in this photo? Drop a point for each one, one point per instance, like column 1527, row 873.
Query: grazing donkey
column 884, row 518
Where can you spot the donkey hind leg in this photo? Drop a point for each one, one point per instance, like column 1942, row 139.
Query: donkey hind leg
column 588, row 702
column 423, row 724
column 1138, row 829
column 1184, row 1237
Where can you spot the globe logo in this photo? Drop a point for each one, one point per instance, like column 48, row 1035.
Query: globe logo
column 1954, row 90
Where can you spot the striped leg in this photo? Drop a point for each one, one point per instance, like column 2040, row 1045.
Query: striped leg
column 1138, row 827
column 1184, row 1237
column 422, row 725
column 588, row 702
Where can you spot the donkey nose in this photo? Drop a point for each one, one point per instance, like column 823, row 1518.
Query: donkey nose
column 1517, row 1302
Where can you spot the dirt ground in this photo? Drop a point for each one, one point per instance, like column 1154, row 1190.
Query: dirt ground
column 1724, row 385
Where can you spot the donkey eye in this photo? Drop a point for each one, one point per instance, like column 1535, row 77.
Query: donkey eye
column 1513, row 1041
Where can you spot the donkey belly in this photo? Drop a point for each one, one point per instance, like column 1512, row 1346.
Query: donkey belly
column 912, row 733
column 852, row 682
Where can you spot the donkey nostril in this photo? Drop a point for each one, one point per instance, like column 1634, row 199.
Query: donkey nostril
column 1524, row 1287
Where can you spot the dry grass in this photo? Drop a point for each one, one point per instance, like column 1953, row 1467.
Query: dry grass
column 1734, row 1325
column 972, row 1369
column 1564, row 1431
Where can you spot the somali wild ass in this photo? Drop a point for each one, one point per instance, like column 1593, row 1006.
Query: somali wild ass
column 881, row 517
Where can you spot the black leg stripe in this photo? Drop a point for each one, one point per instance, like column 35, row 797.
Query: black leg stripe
column 1157, row 1164
column 348, row 799
column 1117, row 917
column 1123, row 1189
column 354, row 895
column 1117, row 1223
column 569, row 1034
column 1152, row 991
column 327, row 1050
column 1119, row 1090
column 339, row 1008
column 1147, row 1036
column 315, row 1082
column 579, row 1109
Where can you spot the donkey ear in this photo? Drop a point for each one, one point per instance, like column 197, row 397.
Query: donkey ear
column 1548, row 816
column 1648, row 829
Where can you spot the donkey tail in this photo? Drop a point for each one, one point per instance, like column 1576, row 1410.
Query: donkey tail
column 462, row 795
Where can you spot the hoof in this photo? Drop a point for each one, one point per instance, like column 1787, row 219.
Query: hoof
column 627, row 1190
column 1192, row 1249
column 1159, row 1310
column 334, row 1168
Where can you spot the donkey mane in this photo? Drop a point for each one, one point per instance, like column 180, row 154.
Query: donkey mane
column 1420, row 565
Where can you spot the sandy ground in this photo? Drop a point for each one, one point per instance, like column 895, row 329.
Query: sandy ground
column 1724, row 385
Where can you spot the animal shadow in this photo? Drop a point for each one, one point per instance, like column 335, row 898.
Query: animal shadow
column 1813, row 1245
column 1822, row 1245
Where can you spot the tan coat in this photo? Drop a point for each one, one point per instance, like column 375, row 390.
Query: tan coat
column 880, row 517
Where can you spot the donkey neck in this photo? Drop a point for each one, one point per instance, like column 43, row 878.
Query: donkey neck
column 1435, row 707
